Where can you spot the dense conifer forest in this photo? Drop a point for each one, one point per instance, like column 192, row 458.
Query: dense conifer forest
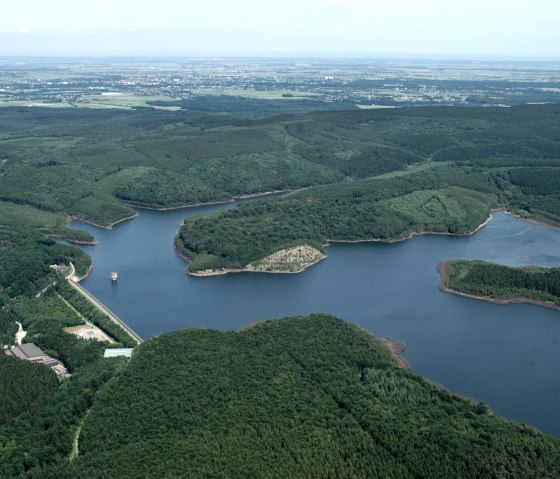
column 24, row 387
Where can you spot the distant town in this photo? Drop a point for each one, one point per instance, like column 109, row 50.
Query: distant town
column 116, row 83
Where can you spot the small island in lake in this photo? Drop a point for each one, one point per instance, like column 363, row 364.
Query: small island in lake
column 501, row 284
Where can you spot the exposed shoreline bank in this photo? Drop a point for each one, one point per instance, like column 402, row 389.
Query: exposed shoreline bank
column 443, row 270
column 74, row 278
column 314, row 257
column 396, row 348
column 543, row 222
column 86, row 274
column 221, row 272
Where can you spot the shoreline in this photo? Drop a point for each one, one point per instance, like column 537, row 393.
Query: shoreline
column 444, row 273
column 544, row 222
column 209, row 203
column 86, row 274
column 224, row 271
column 73, row 241
column 172, row 208
column 70, row 218
column 415, row 233
column 74, row 280
column 390, row 241
column 396, row 349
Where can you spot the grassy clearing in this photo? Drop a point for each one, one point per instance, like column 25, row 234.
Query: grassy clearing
column 124, row 100
column 414, row 168
column 19, row 103
column 374, row 107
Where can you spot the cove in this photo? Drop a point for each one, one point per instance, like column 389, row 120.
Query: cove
column 504, row 355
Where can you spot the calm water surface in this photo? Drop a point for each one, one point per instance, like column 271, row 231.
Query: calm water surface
column 504, row 355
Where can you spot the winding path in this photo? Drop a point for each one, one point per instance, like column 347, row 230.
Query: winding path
column 20, row 334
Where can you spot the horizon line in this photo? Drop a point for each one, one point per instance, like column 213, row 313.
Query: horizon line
column 311, row 55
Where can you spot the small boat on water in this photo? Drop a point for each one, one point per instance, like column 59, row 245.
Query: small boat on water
column 114, row 276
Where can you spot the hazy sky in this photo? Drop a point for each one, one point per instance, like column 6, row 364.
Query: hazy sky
column 449, row 28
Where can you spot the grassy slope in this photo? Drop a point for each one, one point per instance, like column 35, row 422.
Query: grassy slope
column 297, row 397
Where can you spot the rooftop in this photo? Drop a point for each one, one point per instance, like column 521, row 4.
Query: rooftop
column 117, row 352
column 27, row 351
column 31, row 352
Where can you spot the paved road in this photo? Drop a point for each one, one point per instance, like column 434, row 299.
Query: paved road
column 99, row 305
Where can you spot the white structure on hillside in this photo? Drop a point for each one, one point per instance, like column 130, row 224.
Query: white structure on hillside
column 118, row 352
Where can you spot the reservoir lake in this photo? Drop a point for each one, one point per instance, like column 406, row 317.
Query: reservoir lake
column 504, row 355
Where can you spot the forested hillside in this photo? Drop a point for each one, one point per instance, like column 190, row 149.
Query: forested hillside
column 24, row 387
column 297, row 397
column 471, row 160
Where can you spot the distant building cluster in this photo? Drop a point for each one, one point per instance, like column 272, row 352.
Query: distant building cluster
column 31, row 352
column 363, row 82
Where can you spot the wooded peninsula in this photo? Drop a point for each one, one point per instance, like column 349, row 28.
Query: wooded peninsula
column 502, row 284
